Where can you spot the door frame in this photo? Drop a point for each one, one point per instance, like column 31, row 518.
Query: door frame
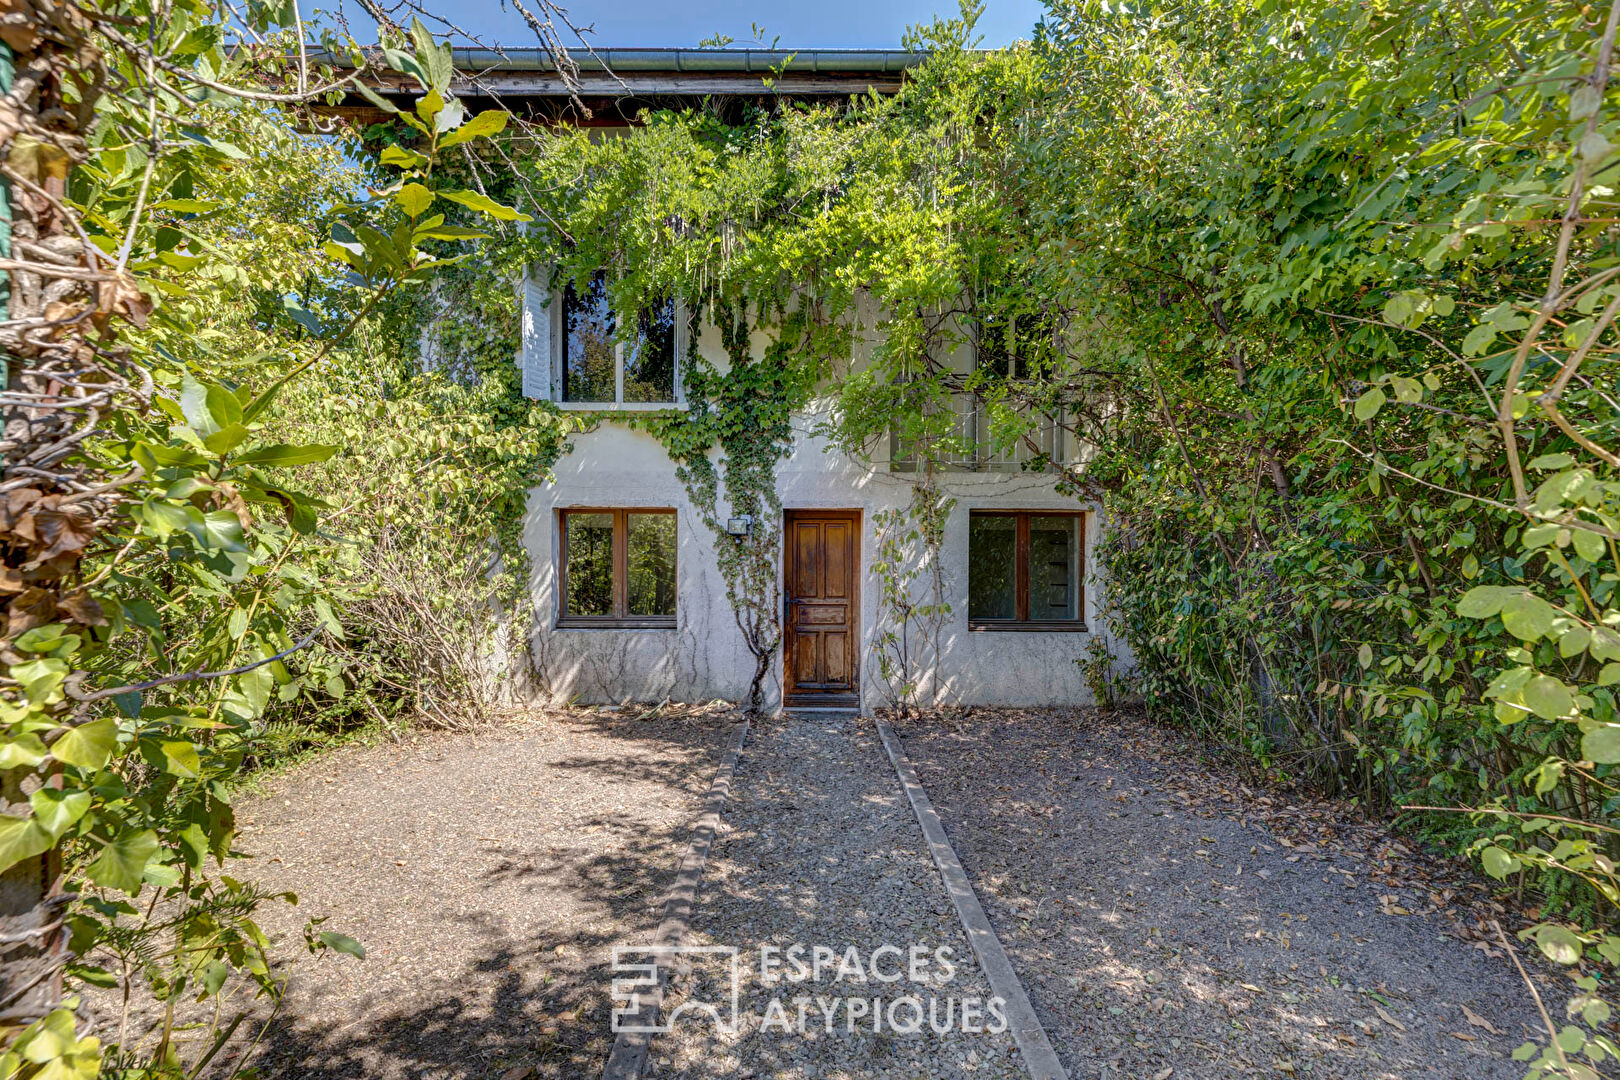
column 821, row 698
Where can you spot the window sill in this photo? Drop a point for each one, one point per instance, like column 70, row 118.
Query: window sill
column 606, row 623
column 621, row 406
column 1007, row 625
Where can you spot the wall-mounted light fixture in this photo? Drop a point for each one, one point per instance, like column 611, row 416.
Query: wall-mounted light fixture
column 741, row 525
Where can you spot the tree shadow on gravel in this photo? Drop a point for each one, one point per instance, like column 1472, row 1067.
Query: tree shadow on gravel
column 1162, row 915
column 499, row 964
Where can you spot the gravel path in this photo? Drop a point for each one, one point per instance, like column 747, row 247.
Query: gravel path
column 1161, row 934
column 488, row 876
column 819, row 847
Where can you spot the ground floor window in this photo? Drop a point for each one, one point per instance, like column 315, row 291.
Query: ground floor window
column 617, row 568
column 1025, row 569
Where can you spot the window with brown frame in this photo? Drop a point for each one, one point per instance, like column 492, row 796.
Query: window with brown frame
column 1026, row 570
column 617, row 568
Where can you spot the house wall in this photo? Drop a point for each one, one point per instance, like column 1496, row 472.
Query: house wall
column 705, row 657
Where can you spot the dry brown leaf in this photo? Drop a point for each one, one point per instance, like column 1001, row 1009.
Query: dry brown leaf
column 1479, row 1021
column 1463, row 1035
column 1388, row 1019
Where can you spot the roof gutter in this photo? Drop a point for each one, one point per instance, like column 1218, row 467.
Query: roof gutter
column 762, row 61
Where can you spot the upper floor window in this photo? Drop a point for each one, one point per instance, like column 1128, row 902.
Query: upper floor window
column 598, row 365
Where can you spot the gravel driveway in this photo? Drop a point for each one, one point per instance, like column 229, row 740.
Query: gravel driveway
column 819, row 847
column 1163, row 934
column 488, row 875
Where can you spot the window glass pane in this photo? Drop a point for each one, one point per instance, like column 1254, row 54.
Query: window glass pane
column 652, row 564
column 1054, row 567
column 649, row 362
column 992, row 566
column 590, row 564
column 587, row 342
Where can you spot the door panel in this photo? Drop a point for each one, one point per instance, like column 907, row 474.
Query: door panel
column 823, row 605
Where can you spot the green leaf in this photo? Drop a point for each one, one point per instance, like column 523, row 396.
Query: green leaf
column 343, row 943
column 487, row 123
column 413, row 199
column 376, row 99
column 1527, row 616
column 193, row 845
column 217, row 530
column 1609, row 675
column 188, row 206
column 208, row 407
column 1482, row 601
column 1588, row 545
column 1368, row 404
column 1406, row 390
column 1551, row 461
column 1548, row 697
column 56, row 810
column 448, row 232
column 21, row 838
column 180, row 758
column 122, row 862
column 226, row 438
column 282, row 454
column 1499, row 862
column 485, row 205
column 28, row 749
column 1478, row 339
column 1559, row 944
column 87, row 746
column 1602, row 744
column 402, row 158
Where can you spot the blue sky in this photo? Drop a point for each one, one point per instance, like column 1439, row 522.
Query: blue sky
column 799, row 24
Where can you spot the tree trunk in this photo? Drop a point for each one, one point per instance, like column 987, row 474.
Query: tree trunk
column 58, row 383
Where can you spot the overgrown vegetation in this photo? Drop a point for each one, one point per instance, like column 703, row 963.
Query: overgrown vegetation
column 1327, row 289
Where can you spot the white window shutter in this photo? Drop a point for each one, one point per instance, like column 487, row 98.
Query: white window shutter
column 535, row 356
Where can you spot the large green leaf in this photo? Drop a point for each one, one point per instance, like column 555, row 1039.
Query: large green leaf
column 281, row 454
column 1482, row 601
column 21, row 838
column 88, row 746
column 217, row 530
column 1548, row 697
column 485, row 205
column 1527, row 616
column 414, row 199
column 490, row 122
column 56, row 810
column 1602, row 744
column 1559, row 944
column 1499, row 863
column 123, row 861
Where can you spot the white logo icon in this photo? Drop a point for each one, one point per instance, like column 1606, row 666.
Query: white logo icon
column 639, row 988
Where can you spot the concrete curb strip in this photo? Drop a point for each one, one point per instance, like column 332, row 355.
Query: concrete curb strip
column 629, row 1053
column 1039, row 1057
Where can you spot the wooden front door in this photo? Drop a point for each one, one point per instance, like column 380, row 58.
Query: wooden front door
column 822, row 637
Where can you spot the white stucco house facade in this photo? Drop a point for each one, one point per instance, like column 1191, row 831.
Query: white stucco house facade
column 1012, row 641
